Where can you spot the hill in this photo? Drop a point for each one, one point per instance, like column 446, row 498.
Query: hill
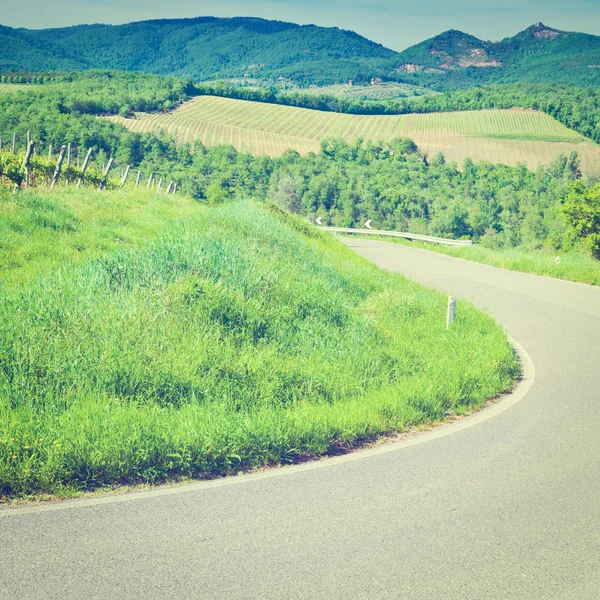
column 206, row 48
column 539, row 54
column 242, row 337
column 500, row 136
column 202, row 48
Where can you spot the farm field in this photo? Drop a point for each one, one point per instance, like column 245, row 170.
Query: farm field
column 500, row 136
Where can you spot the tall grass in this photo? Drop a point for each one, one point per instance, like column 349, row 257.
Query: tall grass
column 241, row 337
column 42, row 229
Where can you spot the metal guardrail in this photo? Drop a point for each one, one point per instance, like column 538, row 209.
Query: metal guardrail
column 409, row 236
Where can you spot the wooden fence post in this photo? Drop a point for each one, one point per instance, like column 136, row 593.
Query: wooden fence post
column 59, row 163
column 159, row 185
column 150, row 180
column 169, row 188
column 137, row 180
column 27, row 162
column 85, row 166
column 14, row 144
column 106, row 171
column 126, row 174
column 68, row 164
column 50, row 152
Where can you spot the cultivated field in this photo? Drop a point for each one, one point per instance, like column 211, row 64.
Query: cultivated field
column 500, row 136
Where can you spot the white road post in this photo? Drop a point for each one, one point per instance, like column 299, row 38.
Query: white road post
column 451, row 311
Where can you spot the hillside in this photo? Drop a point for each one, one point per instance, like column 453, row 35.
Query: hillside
column 500, row 136
column 202, row 48
column 243, row 337
column 206, row 48
column 540, row 54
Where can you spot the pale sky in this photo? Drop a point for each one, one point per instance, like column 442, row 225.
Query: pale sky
column 393, row 23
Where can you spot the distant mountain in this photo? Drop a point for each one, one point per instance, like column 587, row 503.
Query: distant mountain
column 207, row 48
column 202, row 48
column 540, row 54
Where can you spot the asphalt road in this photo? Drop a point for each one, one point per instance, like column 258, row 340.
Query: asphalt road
column 506, row 508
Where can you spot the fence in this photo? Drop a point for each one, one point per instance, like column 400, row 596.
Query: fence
column 33, row 170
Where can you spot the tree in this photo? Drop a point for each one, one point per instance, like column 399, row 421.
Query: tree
column 582, row 211
column 215, row 194
column 286, row 194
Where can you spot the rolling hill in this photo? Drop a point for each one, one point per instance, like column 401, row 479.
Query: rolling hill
column 206, row 48
column 500, row 136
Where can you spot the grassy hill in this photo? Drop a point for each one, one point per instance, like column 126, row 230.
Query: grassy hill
column 206, row 48
column 227, row 338
column 503, row 136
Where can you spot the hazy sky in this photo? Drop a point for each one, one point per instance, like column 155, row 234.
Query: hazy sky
column 394, row 23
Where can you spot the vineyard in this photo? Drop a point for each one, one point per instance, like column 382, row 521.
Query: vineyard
column 28, row 170
column 500, row 136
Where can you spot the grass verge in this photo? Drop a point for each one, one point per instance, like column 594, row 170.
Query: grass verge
column 573, row 266
column 237, row 338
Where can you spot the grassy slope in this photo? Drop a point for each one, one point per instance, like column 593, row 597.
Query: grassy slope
column 572, row 266
column 40, row 230
column 507, row 136
column 240, row 337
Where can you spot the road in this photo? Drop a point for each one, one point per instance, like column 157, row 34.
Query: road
column 506, row 508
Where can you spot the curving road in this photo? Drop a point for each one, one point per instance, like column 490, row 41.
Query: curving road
column 507, row 508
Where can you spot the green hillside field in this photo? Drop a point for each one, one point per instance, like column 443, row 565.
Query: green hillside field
column 167, row 347
column 499, row 136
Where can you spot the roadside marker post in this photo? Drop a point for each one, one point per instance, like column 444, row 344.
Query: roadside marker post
column 451, row 311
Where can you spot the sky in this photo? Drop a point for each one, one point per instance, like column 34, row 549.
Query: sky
column 396, row 24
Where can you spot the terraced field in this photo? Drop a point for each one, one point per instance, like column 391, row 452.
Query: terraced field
column 500, row 136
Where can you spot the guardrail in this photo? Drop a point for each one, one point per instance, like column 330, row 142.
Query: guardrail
column 409, row 236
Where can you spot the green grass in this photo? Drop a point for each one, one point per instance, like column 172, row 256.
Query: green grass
column 239, row 337
column 42, row 230
column 573, row 266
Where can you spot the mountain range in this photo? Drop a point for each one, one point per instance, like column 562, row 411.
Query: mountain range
column 206, row 48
